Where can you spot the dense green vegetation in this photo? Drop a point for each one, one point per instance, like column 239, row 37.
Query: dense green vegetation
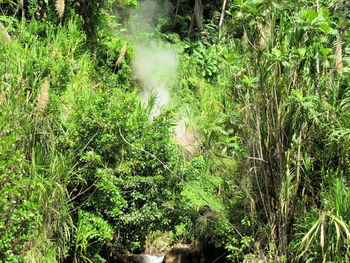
column 87, row 168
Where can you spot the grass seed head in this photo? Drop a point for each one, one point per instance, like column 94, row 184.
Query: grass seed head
column 5, row 36
column 60, row 8
column 43, row 97
column 121, row 56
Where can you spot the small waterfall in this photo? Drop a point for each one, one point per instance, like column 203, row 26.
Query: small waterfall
column 152, row 259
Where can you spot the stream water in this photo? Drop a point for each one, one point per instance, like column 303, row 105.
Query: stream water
column 152, row 259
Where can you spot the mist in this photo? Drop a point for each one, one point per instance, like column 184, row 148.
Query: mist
column 156, row 62
column 155, row 66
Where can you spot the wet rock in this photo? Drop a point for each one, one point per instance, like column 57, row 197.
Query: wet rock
column 183, row 255
column 128, row 258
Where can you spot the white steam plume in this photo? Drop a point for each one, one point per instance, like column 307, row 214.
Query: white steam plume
column 155, row 67
column 155, row 64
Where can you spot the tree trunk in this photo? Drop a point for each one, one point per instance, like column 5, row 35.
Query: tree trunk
column 191, row 26
column 177, row 10
column 339, row 52
column 222, row 17
column 198, row 13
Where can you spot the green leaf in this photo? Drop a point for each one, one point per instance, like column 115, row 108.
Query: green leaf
column 325, row 51
column 239, row 3
column 324, row 13
column 310, row 15
column 324, row 27
column 277, row 53
column 301, row 52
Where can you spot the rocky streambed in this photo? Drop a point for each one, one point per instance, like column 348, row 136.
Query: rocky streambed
column 182, row 254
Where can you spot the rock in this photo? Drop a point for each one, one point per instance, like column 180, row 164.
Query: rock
column 128, row 258
column 135, row 259
column 183, row 255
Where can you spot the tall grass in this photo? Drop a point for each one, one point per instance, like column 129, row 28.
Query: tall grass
column 37, row 163
column 272, row 119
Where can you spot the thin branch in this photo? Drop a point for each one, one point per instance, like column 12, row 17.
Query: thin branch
column 76, row 208
column 85, row 145
column 257, row 159
column 83, row 192
column 229, row 157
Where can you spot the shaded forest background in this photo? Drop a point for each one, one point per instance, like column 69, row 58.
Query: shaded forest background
column 120, row 120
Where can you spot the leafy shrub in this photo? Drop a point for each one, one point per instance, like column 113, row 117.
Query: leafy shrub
column 91, row 234
column 128, row 187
